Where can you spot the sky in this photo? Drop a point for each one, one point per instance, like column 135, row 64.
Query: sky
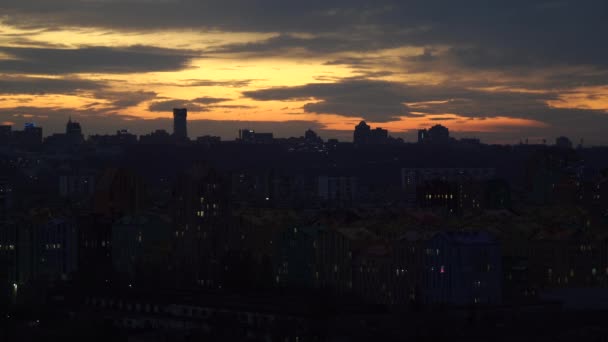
column 501, row 71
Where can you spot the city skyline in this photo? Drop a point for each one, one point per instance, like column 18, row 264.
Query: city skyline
column 525, row 70
column 362, row 134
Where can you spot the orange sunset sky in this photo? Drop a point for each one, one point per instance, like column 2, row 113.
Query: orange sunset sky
column 529, row 69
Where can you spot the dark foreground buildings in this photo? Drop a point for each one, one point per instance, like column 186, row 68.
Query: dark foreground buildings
column 159, row 238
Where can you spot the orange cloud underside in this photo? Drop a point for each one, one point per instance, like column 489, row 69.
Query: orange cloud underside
column 583, row 98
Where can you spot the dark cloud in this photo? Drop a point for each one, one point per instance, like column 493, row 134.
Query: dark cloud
column 126, row 99
column 207, row 100
column 232, row 107
column 201, row 104
column 442, row 118
column 167, row 106
column 41, row 86
column 518, row 31
column 381, row 101
column 322, row 44
column 21, row 85
column 526, row 34
column 133, row 59
column 230, row 15
column 215, row 83
column 372, row 100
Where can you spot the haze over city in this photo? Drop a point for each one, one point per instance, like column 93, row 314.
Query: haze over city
column 500, row 72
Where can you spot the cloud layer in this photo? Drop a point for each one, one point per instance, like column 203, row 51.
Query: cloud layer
column 108, row 60
column 386, row 61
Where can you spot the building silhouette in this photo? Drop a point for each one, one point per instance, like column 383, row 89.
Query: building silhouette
column 378, row 136
column 422, row 133
column 250, row 136
column 312, row 136
column 365, row 135
column 73, row 132
column 64, row 141
column 362, row 133
column 30, row 137
column 158, row 137
column 6, row 132
column 438, row 134
column 180, row 125
column 563, row 142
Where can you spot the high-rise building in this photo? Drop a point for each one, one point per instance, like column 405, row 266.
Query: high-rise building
column 437, row 134
column 310, row 135
column 158, row 137
column 378, row 136
column 422, row 133
column 362, row 133
column 563, row 142
column 73, row 132
column 249, row 136
column 6, row 196
column 5, row 134
column 180, row 125
column 30, row 137
column 72, row 127
column 365, row 135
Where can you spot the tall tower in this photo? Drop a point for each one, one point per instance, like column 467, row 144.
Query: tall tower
column 73, row 132
column 180, row 126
